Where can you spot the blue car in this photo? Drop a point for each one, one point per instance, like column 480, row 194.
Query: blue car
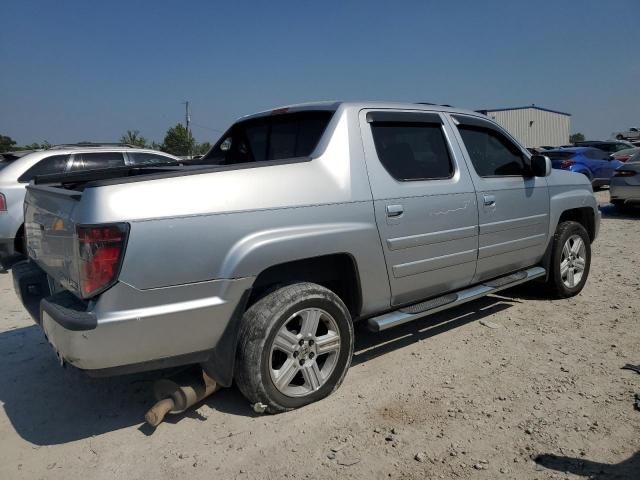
column 594, row 163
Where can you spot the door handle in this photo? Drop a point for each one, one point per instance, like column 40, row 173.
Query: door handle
column 489, row 200
column 394, row 210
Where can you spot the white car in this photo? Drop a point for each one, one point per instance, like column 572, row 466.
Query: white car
column 18, row 169
column 632, row 134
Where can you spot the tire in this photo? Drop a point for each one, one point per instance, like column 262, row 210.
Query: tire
column 619, row 137
column 563, row 282
column 270, row 349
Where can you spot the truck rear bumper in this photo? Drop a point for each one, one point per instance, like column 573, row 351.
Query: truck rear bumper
column 126, row 329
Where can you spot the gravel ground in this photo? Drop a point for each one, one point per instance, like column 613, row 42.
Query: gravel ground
column 448, row 397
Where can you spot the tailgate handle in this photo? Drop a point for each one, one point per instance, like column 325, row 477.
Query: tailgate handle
column 394, row 210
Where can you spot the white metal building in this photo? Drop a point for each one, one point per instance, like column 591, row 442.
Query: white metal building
column 533, row 126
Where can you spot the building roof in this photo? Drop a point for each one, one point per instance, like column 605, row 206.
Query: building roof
column 487, row 110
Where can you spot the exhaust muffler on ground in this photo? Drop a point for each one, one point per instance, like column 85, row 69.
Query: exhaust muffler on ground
column 176, row 396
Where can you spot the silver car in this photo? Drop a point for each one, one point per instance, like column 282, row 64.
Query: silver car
column 625, row 183
column 632, row 134
column 17, row 169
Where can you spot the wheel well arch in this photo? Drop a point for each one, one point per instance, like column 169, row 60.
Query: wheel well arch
column 584, row 216
column 338, row 272
column 18, row 242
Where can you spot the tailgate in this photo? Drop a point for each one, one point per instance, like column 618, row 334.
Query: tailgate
column 50, row 232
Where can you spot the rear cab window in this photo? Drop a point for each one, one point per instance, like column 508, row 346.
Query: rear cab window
column 411, row 147
column 270, row 138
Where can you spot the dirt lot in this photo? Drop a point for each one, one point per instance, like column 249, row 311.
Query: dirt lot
column 473, row 401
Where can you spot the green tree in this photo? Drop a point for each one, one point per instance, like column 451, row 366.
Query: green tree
column 201, row 148
column 576, row 137
column 36, row 146
column 178, row 141
column 133, row 137
column 6, row 143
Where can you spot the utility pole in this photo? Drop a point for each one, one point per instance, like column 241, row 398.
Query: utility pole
column 188, row 122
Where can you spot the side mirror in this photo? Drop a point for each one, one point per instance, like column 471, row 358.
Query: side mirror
column 540, row 166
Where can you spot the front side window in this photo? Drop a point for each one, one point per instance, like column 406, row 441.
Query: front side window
column 492, row 154
column 97, row 161
column 46, row 166
column 412, row 151
column 274, row 137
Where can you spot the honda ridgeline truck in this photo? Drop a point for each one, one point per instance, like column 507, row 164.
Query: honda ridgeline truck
column 299, row 222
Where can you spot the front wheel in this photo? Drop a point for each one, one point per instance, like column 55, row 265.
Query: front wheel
column 619, row 137
column 295, row 347
column 570, row 259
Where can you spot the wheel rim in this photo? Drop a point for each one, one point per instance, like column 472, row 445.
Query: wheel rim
column 304, row 352
column 573, row 261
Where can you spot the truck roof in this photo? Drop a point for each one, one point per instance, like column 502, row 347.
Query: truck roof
column 359, row 105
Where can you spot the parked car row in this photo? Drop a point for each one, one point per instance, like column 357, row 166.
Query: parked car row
column 17, row 169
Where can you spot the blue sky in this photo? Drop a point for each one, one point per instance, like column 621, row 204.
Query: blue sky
column 80, row 70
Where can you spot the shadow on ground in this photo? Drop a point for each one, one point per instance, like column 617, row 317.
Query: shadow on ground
column 369, row 345
column 49, row 405
column 628, row 469
column 628, row 213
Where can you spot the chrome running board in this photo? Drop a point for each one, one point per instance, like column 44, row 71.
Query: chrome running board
column 450, row 300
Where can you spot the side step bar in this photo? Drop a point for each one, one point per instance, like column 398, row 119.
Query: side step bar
column 438, row 304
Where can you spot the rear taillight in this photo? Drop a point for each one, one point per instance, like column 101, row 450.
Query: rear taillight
column 101, row 250
column 624, row 173
column 567, row 163
column 3, row 203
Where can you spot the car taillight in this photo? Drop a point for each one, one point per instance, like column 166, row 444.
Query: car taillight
column 101, row 250
column 623, row 158
column 567, row 163
column 3, row 203
column 624, row 173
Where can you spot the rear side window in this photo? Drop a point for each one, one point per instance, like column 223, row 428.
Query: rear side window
column 97, row 161
column 412, row 151
column 492, row 154
column 276, row 137
column 46, row 166
column 140, row 159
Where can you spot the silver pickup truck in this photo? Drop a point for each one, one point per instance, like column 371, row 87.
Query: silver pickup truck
column 299, row 222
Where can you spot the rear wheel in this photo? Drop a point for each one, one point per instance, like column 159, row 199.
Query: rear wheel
column 619, row 137
column 570, row 259
column 295, row 347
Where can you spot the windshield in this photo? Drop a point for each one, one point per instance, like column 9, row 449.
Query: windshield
column 274, row 137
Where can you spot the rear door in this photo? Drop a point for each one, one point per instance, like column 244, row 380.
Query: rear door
column 601, row 164
column 513, row 207
column 424, row 201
